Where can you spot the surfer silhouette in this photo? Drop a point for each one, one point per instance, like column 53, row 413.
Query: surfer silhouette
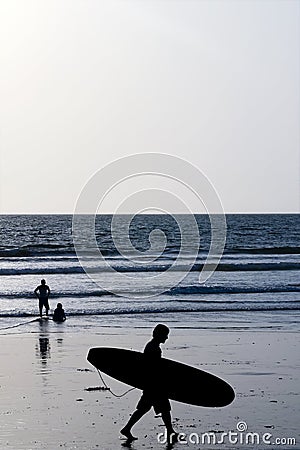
column 149, row 398
column 59, row 313
column 42, row 292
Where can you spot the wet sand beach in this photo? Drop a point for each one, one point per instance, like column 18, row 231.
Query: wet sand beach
column 46, row 402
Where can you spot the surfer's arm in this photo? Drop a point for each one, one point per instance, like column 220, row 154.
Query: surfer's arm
column 36, row 292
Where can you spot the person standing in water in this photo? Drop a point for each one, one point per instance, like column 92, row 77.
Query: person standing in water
column 42, row 292
column 149, row 398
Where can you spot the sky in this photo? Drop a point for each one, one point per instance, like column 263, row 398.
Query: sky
column 86, row 82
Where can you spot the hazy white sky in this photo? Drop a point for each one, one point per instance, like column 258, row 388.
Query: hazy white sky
column 84, row 82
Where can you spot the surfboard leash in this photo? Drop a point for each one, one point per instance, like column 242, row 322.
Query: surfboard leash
column 109, row 389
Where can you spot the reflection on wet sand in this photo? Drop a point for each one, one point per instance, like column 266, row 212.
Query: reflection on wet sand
column 42, row 347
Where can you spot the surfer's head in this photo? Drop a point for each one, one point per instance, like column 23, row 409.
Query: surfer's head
column 161, row 332
column 43, row 281
column 59, row 305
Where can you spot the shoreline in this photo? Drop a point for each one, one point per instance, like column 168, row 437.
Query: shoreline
column 249, row 321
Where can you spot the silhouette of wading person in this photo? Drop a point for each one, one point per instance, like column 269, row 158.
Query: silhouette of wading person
column 42, row 292
column 151, row 397
column 59, row 313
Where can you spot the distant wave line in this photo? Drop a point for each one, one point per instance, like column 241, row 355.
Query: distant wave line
column 239, row 267
column 173, row 292
column 40, row 250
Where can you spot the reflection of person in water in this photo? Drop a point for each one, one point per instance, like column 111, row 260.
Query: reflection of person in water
column 160, row 403
column 42, row 292
column 59, row 313
column 44, row 348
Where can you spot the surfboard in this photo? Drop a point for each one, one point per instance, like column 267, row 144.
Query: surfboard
column 164, row 377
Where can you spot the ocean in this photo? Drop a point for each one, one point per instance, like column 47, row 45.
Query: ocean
column 256, row 283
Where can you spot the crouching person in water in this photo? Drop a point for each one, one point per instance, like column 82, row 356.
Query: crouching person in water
column 160, row 403
column 59, row 313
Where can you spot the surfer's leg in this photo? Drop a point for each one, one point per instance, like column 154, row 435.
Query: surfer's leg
column 136, row 416
column 166, row 417
column 127, row 433
column 142, row 408
column 164, row 407
column 172, row 436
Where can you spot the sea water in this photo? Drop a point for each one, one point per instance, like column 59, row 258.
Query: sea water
column 256, row 283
